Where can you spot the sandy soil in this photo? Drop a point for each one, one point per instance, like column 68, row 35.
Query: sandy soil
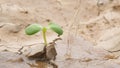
column 91, row 28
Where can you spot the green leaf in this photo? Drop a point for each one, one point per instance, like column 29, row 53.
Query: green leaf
column 56, row 28
column 33, row 29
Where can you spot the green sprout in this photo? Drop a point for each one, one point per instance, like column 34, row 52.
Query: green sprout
column 35, row 28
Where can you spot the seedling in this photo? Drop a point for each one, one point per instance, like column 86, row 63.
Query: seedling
column 35, row 28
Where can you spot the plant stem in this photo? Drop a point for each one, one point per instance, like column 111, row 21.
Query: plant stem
column 44, row 35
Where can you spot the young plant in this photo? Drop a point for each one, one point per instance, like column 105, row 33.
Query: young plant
column 35, row 28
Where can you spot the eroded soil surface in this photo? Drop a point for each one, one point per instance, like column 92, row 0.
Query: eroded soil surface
column 91, row 32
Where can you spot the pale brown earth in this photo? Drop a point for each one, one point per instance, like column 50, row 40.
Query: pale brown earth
column 91, row 32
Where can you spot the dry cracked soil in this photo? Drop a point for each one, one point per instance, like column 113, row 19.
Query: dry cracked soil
column 91, row 32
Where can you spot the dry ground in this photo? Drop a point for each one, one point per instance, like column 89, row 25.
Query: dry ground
column 91, row 28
